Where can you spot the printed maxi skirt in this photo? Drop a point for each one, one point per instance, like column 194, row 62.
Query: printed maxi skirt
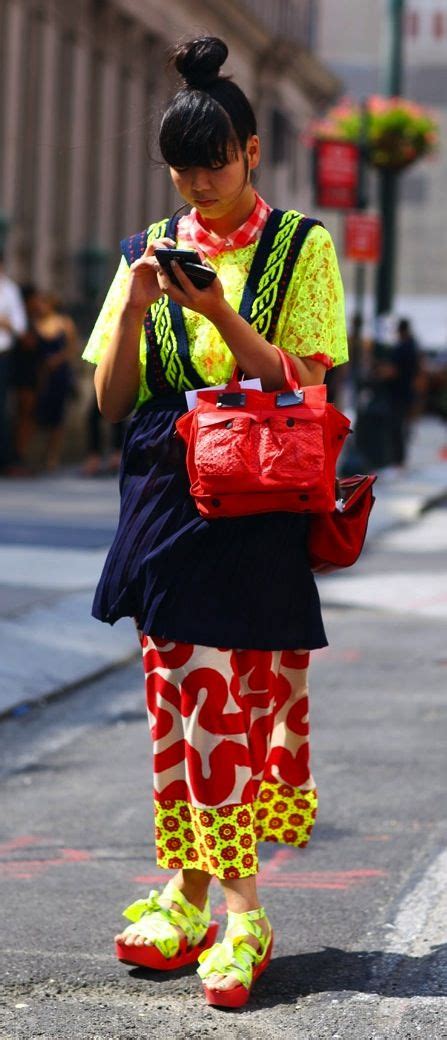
column 230, row 730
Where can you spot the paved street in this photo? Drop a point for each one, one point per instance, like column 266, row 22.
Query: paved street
column 361, row 947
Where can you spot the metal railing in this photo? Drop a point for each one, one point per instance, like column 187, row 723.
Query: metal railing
column 293, row 20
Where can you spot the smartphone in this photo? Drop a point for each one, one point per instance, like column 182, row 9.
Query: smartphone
column 190, row 263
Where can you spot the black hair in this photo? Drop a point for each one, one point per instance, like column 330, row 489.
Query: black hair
column 404, row 326
column 210, row 117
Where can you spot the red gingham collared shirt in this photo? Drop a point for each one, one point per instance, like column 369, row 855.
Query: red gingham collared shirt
column 210, row 244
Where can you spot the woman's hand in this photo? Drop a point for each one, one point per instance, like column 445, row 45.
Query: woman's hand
column 210, row 301
column 144, row 288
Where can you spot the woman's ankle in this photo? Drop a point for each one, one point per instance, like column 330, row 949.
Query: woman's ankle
column 193, row 884
column 241, row 894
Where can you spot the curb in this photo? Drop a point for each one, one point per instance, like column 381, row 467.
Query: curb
column 23, row 707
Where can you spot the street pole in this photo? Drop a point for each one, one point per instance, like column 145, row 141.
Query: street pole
column 361, row 204
column 388, row 191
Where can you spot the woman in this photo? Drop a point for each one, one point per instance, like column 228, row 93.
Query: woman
column 227, row 610
column 57, row 349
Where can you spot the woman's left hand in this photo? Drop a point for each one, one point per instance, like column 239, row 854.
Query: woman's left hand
column 210, row 301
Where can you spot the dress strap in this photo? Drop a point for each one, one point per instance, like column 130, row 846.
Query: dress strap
column 272, row 268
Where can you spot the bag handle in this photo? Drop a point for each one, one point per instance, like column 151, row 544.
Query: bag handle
column 291, row 377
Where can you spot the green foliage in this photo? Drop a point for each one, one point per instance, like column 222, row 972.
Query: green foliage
column 397, row 132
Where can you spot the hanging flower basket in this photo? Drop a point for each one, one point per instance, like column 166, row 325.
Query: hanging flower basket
column 397, row 132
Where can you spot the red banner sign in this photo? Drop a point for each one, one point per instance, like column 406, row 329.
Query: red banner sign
column 363, row 237
column 336, row 166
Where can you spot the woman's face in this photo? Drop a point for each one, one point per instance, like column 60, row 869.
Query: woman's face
column 215, row 192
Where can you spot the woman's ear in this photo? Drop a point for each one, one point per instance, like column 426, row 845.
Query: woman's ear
column 253, row 151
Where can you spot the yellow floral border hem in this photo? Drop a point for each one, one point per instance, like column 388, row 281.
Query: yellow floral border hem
column 223, row 841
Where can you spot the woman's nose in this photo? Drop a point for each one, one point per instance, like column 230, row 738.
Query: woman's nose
column 200, row 179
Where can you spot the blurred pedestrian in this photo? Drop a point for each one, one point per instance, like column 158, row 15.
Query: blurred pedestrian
column 230, row 726
column 57, row 347
column 359, row 354
column 400, row 374
column 95, row 463
column 12, row 324
column 25, row 379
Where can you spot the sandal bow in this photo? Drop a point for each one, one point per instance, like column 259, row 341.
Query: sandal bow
column 157, row 922
column 235, row 956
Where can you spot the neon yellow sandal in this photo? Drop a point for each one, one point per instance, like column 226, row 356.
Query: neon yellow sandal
column 157, row 922
column 236, row 956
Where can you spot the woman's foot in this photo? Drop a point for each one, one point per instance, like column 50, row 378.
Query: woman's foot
column 229, row 969
column 170, row 929
column 229, row 981
column 195, row 895
column 91, row 467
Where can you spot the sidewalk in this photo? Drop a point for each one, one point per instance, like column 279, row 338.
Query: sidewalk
column 54, row 535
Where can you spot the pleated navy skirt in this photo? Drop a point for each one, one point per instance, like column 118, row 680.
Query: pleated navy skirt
column 241, row 582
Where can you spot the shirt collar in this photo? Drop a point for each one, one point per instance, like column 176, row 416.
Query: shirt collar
column 211, row 244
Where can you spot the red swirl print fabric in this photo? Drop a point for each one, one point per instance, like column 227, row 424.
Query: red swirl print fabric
column 230, row 730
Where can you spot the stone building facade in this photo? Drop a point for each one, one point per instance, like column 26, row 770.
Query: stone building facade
column 81, row 92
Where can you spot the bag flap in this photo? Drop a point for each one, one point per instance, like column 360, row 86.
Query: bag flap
column 350, row 489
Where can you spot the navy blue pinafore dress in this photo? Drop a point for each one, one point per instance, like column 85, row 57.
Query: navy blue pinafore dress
column 241, row 582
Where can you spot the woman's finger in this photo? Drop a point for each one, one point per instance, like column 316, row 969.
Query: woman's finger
column 155, row 243
column 185, row 282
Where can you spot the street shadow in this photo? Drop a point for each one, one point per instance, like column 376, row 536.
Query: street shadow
column 333, row 971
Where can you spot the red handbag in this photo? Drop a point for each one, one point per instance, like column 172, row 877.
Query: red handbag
column 336, row 539
column 249, row 451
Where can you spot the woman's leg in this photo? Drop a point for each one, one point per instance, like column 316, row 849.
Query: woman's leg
column 55, row 444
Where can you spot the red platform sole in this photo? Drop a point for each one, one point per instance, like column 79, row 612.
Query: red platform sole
column 150, row 957
column 238, row 996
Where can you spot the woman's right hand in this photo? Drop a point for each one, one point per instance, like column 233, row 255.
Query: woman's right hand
column 143, row 288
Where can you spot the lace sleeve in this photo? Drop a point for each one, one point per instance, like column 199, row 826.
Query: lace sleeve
column 108, row 315
column 105, row 324
column 312, row 320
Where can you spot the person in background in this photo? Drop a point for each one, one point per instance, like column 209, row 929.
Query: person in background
column 24, row 381
column 400, row 373
column 94, row 463
column 12, row 324
column 57, row 346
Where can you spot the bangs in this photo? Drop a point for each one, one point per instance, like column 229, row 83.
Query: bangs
column 197, row 131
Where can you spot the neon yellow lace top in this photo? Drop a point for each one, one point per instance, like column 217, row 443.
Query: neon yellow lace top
column 312, row 319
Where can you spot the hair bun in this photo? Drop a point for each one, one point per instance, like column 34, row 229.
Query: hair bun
column 199, row 61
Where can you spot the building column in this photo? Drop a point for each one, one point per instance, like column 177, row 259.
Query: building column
column 106, row 151
column 46, row 161
column 79, row 145
column 12, row 80
column 136, row 162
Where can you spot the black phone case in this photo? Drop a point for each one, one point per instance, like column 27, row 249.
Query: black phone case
column 199, row 275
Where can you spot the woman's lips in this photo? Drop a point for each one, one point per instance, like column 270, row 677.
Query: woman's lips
column 204, row 202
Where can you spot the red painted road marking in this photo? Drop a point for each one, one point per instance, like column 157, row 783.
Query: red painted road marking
column 18, row 843
column 321, row 879
column 28, row 868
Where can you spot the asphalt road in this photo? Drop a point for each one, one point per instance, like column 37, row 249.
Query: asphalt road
column 360, row 916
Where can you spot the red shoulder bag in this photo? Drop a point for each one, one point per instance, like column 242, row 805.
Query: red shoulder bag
column 249, row 451
column 336, row 539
